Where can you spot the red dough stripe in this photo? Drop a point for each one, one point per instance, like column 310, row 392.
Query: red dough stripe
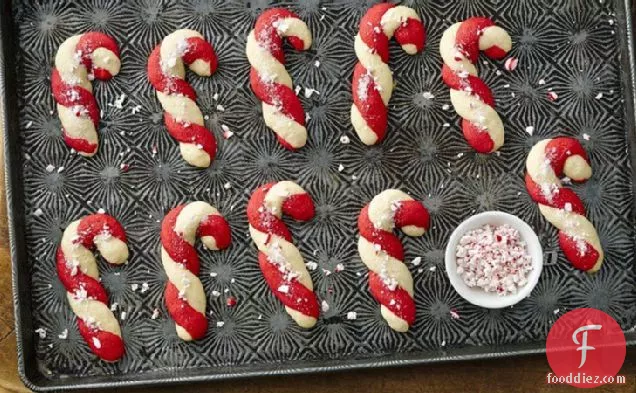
column 366, row 96
column 197, row 49
column 411, row 213
column 372, row 108
column 398, row 301
column 276, row 94
column 556, row 152
column 216, row 227
column 164, row 83
column 406, row 213
column 79, row 281
column 389, row 243
column 467, row 39
column 200, row 49
column 110, row 347
column 560, row 197
column 265, row 32
column 299, row 207
column 106, row 345
column 261, row 219
column 469, row 83
column 71, row 95
column 194, row 322
column 181, row 252
column 584, row 261
column 271, row 92
column 298, row 297
column 191, row 133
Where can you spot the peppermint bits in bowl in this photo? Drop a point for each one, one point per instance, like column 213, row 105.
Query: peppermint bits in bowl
column 494, row 259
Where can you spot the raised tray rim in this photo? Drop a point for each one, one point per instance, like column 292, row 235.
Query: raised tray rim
column 27, row 369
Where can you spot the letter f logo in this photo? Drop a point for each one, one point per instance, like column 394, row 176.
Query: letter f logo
column 584, row 347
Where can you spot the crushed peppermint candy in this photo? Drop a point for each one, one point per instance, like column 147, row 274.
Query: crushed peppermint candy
column 511, row 63
column 309, row 92
column 155, row 314
column 227, row 133
column 41, row 332
column 324, row 306
column 493, row 258
column 344, row 139
column 63, row 335
column 352, row 315
column 311, row 266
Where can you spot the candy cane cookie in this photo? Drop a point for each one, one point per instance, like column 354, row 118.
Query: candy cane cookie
column 372, row 78
column 77, row 270
column 280, row 261
column 183, row 118
column 471, row 97
column 390, row 281
column 79, row 60
column 269, row 79
column 548, row 161
column 184, row 295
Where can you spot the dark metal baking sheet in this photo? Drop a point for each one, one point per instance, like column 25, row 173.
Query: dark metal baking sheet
column 579, row 47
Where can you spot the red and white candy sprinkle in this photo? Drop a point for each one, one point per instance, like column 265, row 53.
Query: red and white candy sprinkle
column 493, row 258
column 511, row 63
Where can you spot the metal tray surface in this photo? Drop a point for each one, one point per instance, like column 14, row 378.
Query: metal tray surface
column 580, row 49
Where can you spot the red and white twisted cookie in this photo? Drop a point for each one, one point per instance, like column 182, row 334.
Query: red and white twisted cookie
column 280, row 261
column 185, row 298
column 372, row 78
column 269, row 79
column 79, row 60
column 547, row 162
column 183, row 118
column 390, row 281
column 471, row 97
column 77, row 270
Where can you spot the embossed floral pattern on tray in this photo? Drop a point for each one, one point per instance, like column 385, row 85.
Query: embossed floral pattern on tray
column 138, row 175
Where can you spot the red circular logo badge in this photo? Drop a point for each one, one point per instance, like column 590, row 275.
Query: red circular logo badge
column 585, row 348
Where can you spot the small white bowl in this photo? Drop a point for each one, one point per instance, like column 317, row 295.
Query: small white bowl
column 476, row 295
